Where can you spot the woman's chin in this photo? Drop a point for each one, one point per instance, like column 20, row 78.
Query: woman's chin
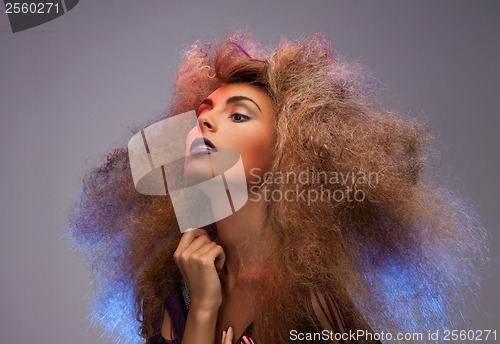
column 197, row 169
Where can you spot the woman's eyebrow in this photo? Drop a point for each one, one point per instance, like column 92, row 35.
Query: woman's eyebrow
column 235, row 99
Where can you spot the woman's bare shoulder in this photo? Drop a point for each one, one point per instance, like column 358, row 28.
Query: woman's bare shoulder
column 167, row 330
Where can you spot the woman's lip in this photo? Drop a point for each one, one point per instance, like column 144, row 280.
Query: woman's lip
column 202, row 145
column 206, row 150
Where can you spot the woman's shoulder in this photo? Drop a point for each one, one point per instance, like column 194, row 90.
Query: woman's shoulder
column 323, row 307
column 173, row 319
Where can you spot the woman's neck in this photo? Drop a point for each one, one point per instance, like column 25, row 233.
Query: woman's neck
column 247, row 243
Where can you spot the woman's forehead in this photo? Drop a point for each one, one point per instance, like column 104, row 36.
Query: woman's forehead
column 245, row 90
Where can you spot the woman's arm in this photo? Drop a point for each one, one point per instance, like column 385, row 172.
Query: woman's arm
column 199, row 259
column 200, row 325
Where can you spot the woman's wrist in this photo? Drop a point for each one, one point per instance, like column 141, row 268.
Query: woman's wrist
column 200, row 324
column 203, row 311
column 205, row 304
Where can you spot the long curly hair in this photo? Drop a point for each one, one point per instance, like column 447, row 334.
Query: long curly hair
column 406, row 257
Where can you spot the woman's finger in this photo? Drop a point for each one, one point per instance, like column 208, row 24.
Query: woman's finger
column 246, row 340
column 218, row 256
column 189, row 236
column 203, row 249
column 195, row 245
column 187, row 239
column 228, row 338
column 211, row 255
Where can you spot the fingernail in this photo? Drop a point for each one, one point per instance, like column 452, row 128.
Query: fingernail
column 189, row 229
column 246, row 340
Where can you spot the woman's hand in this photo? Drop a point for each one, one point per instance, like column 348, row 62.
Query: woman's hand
column 227, row 337
column 200, row 259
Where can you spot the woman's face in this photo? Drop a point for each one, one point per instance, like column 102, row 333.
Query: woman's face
column 239, row 117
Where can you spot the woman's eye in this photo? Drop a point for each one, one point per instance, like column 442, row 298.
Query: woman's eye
column 238, row 117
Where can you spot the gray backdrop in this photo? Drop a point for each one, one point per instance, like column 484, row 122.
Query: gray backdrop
column 71, row 89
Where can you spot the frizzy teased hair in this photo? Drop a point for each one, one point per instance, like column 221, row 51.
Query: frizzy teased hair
column 405, row 258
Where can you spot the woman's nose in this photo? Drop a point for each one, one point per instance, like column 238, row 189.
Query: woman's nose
column 206, row 122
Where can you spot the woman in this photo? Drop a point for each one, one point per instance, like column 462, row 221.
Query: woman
column 342, row 231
